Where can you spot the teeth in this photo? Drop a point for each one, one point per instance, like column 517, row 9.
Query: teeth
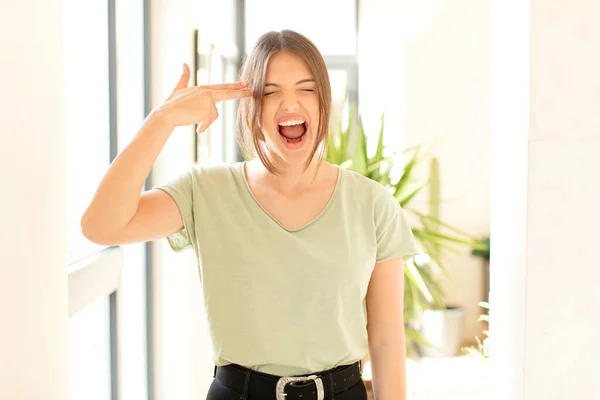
column 291, row 122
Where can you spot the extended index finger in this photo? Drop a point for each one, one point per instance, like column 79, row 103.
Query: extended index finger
column 235, row 85
column 220, row 95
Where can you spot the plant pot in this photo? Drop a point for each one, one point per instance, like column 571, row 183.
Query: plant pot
column 444, row 330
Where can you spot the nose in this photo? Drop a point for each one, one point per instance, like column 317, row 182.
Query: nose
column 290, row 102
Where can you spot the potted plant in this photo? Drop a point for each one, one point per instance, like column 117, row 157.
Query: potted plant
column 442, row 325
column 482, row 348
column 482, row 250
column 347, row 147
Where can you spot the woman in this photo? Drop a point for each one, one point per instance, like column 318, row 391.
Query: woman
column 293, row 252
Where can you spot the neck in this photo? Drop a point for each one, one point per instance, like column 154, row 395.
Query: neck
column 292, row 179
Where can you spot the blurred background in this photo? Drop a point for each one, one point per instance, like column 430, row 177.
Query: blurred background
column 490, row 125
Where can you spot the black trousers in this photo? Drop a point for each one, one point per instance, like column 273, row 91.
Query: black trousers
column 218, row 391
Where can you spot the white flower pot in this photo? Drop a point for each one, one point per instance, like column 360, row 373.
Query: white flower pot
column 444, row 330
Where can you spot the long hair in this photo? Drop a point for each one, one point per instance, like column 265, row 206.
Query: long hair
column 250, row 137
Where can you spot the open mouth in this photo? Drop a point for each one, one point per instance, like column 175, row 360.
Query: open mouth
column 292, row 131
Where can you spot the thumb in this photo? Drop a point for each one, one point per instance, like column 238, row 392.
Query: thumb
column 184, row 80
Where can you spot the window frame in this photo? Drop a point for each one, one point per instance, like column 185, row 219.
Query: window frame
column 99, row 274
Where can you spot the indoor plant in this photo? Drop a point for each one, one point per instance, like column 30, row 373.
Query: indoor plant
column 482, row 349
column 347, row 147
column 441, row 326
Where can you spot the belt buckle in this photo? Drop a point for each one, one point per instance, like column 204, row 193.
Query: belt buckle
column 284, row 380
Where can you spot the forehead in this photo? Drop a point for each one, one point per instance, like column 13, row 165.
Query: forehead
column 287, row 67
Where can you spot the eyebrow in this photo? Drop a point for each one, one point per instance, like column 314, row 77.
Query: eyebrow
column 297, row 83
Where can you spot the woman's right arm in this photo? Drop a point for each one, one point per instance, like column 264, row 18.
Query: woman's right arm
column 111, row 218
column 120, row 213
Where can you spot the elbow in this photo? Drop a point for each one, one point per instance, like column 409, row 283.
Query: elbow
column 92, row 234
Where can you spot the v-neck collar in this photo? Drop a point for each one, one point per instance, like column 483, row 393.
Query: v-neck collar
column 242, row 171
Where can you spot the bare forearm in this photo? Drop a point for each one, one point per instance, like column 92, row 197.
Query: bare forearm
column 116, row 199
column 388, row 365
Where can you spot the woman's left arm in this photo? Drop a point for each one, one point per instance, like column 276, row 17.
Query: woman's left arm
column 385, row 311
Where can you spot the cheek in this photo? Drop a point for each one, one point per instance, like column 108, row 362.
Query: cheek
column 314, row 117
column 312, row 106
column 266, row 118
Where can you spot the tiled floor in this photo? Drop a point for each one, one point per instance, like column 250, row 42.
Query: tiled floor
column 452, row 378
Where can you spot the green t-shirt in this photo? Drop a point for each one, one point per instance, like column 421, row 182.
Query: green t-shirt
column 286, row 301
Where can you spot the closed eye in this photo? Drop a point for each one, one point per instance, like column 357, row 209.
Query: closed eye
column 305, row 90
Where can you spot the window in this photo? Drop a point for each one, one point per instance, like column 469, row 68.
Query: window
column 333, row 29
column 87, row 114
column 95, row 272
column 331, row 25
column 217, row 61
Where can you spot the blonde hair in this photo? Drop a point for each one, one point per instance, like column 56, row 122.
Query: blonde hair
column 251, row 139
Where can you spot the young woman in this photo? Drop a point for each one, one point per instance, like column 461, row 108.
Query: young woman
column 301, row 261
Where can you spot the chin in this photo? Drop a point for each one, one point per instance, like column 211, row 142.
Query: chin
column 292, row 153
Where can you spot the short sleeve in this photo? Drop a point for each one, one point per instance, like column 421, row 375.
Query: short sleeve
column 394, row 234
column 180, row 189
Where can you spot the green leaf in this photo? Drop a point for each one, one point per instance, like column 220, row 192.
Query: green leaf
column 345, row 137
column 413, row 335
column 447, row 238
column 472, row 352
column 406, row 175
column 415, row 277
column 359, row 158
column 376, row 165
column 406, row 199
column 443, row 224
column 379, row 151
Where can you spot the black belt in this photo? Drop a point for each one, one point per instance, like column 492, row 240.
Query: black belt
column 263, row 386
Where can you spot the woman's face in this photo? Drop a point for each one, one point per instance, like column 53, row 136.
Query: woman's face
column 290, row 108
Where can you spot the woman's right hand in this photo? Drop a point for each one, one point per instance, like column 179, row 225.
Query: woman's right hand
column 196, row 104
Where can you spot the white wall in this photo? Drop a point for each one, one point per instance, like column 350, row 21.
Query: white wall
column 546, row 141
column 428, row 64
column 33, row 261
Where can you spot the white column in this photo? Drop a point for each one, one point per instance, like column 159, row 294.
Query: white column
column 33, row 258
column 510, row 129
column 545, row 305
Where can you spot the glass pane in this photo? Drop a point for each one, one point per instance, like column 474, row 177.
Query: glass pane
column 89, row 347
column 332, row 28
column 87, row 114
